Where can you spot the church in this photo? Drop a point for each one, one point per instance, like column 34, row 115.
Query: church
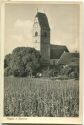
column 50, row 54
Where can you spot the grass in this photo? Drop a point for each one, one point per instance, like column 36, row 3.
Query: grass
column 41, row 97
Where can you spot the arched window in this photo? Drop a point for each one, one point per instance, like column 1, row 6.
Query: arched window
column 36, row 33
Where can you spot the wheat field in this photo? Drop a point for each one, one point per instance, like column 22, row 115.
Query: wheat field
column 41, row 97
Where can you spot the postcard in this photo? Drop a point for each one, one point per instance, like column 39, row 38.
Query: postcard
column 41, row 62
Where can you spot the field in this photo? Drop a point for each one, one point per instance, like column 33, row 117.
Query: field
column 41, row 97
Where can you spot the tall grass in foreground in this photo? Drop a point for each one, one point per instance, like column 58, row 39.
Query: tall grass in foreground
column 41, row 97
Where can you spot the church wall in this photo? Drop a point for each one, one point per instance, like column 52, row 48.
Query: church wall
column 42, row 39
column 37, row 43
column 54, row 61
column 36, row 39
column 45, row 45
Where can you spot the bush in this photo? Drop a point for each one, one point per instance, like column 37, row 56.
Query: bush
column 22, row 61
column 7, row 60
column 70, row 71
column 7, row 71
column 19, row 73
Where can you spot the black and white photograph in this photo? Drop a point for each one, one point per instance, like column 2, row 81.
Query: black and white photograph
column 42, row 60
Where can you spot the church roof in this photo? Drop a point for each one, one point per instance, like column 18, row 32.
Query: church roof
column 57, row 50
column 69, row 59
column 43, row 20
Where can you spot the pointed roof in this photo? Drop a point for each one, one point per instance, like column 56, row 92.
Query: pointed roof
column 43, row 20
column 69, row 59
column 57, row 50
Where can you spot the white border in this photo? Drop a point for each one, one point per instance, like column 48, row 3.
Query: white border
column 45, row 120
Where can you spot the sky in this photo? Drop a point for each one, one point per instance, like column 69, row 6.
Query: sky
column 63, row 20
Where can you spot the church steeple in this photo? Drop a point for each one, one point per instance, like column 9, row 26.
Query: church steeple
column 41, row 35
column 43, row 20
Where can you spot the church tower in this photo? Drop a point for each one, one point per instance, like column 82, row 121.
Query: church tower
column 41, row 36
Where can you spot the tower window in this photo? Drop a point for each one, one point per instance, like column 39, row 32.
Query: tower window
column 36, row 33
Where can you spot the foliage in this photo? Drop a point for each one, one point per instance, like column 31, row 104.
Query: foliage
column 70, row 71
column 7, row 60
column 41, row 97
column 7, row 71
column 22, row 61
column 25, row 61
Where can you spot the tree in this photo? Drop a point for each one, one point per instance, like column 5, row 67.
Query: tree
column 7, row 71
column 23, row 60
column 7, row 60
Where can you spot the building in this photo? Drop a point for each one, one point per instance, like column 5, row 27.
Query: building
column 70, row 59
column 51, row 54
column 41, row 36
column 56, row 52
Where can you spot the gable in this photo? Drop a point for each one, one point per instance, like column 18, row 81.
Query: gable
column 57, row 50
column 69, row 59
